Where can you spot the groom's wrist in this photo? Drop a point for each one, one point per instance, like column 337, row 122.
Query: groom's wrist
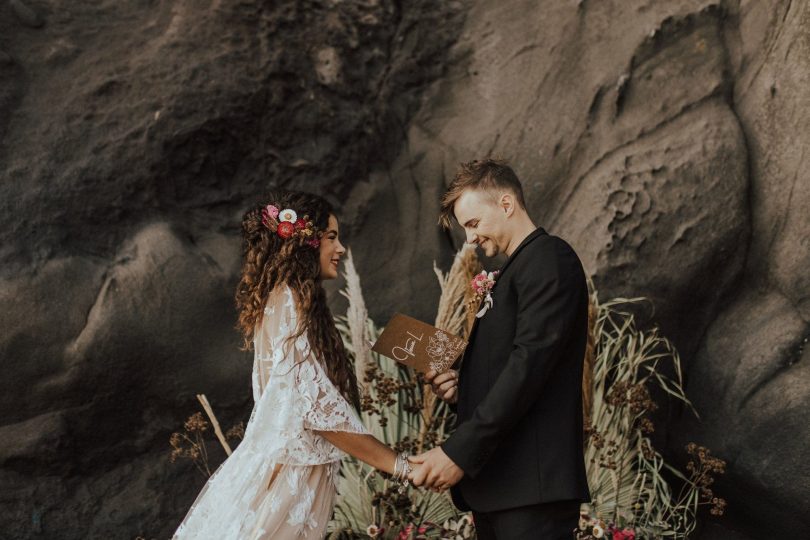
column 455, row 450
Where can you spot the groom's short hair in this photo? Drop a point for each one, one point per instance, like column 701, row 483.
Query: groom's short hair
column 485, row 174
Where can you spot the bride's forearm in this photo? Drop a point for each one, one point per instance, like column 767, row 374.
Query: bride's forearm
column 366, row 448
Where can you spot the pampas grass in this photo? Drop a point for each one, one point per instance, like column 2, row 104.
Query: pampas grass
column 400, row 410
column 626, row 475
column 452, row 316
column 357, row 322
column 628, row 478
column 590, row 356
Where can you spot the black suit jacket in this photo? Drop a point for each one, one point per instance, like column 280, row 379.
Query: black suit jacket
column 518, row 435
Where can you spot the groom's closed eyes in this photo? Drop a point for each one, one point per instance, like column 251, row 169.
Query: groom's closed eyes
column 472, row 223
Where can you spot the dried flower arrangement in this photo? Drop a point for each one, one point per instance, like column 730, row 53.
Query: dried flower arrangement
column 401, row 410
column 191, row 443
column 632, row 498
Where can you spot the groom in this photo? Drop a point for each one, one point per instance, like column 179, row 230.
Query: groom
column 516, row 456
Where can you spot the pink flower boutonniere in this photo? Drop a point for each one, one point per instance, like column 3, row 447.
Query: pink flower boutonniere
column 482, row 287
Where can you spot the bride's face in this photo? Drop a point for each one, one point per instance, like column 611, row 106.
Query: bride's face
column 331, row 250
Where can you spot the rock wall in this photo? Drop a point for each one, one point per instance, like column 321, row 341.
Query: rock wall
column 133, row 137
column 664, row 140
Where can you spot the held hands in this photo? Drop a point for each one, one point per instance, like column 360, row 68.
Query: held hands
column 434, row 470
column 445, row 385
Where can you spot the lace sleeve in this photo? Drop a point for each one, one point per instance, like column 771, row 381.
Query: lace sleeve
column 327, row 409
column 317, row 400
column 273, row 354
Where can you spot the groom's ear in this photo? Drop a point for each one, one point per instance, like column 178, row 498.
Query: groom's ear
column 507, row 204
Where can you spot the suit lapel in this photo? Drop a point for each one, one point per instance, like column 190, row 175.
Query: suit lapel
column 536, row 233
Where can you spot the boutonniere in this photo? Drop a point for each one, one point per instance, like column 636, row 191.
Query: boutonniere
column 482, row 287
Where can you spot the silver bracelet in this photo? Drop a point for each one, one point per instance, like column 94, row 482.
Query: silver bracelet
column 404, row 472
column 397, row 468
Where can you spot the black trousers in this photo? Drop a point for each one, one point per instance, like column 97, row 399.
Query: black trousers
column 548, row 521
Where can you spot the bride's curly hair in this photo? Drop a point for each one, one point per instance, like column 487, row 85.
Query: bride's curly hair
column 269, row 260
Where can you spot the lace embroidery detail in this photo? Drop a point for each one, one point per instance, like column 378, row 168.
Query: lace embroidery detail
column 294, row 399
column 300, row 513
column 294, row 479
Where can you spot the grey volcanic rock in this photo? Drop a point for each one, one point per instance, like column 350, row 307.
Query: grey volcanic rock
column 132, row 138
column 107, row 359
column 674, row 201
column 649, row 136
column 666, row 141
column 25, row 14
column 11, row 88
column 750, row 379
column 629, row 167
column 664, row 203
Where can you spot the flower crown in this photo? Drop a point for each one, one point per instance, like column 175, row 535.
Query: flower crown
column 286, row 224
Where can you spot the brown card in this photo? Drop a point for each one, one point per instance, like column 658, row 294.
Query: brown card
column 419, row 345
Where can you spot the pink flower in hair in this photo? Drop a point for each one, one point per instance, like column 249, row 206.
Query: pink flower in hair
column 269, row 215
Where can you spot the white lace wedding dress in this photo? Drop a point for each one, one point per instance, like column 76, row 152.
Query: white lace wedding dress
column 280, row 482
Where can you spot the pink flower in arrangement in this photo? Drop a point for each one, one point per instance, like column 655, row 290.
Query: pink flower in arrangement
column 406, row 532
column 624, row 534
column 314, row 242
column 285, row 229
column 271, row 210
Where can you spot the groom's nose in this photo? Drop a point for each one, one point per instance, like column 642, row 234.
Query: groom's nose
column 472, row 238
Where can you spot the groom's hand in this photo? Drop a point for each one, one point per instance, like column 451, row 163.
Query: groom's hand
column 445, row 385
column 436, row 470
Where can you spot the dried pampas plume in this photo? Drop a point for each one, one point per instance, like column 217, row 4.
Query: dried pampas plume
column 357, row 320
column 590, row 355
column 452, row 315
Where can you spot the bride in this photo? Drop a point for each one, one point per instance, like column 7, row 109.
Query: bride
column 280, row 482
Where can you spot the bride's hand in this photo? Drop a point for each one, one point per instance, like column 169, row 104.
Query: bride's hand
column 444, row 385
